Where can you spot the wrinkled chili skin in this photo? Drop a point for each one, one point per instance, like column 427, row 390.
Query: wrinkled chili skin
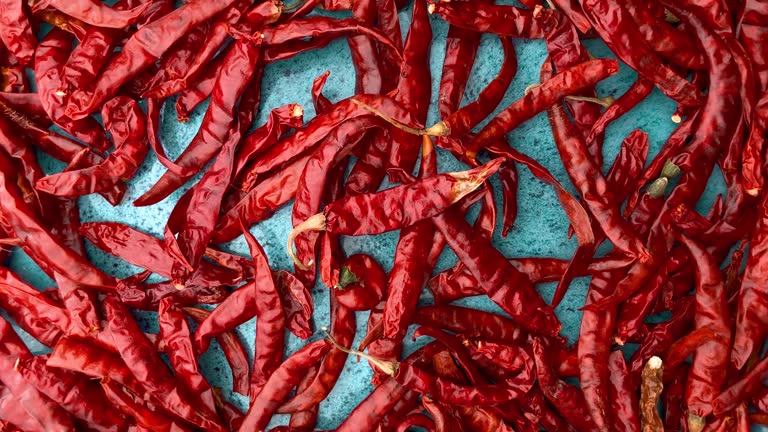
column 16, row 31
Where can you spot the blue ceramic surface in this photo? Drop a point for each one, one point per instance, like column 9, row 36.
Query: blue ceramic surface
column 540, row 229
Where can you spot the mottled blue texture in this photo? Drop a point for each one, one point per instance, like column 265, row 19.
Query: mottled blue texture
column 540, row 229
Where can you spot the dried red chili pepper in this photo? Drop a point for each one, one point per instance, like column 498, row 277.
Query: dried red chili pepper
column 623, row 394
column 16, row 31
column 234, row 351
column 46, row 411
column 343, row 328
column 489, row 18
column 280, row 383
column 297, row 303
column 32, row 310
column 49, row 59
column 639, row 90
column 77, row 394
column 260, row 202
column 568, row 400
column 362, row 283
column 95, row 13
column 142, row 360
column 270, row 318
column 241, row 63
column 145, row 415
column 15, row 417
column 177, row 340
column 425, row 199
column 628, row 44
column 125, row 121
column 146, row 251
column 141, row 50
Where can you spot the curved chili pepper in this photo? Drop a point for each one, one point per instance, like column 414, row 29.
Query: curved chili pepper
column 88, row 58
column 592, row 185
column 49, row 414
column 567, row 399
column 141, row 50
column 32, row 310
column 343, row 329
column 270, row 318
column 176, row 336
column 628, row 44
column 241, row 64
column 467, row 321
column 297, row 303
column 39, row 243
column 75, row 393
column 318, row 128
column 567, row 82
column 489, row 18
column 234, row 351
column 461, row 47
column 461, row 121
column 623, row 396
column 315, row 179
column 639, row 90
column 146, row 251
column 126, row 123
column 444, row 190
column 280, row 383
column 142, row 360
column 95, row 13
column 49, row 59
column 16, row 31
column 305, row 420
column 132, row 405
column 260, row 202
column 709, row 368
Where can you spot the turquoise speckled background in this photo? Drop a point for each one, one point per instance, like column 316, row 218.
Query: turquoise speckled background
column 540, row 229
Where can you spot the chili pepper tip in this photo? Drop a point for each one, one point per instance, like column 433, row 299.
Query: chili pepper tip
column 314, row 223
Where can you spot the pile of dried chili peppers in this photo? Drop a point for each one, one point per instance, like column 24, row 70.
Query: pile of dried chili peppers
column 700, row 367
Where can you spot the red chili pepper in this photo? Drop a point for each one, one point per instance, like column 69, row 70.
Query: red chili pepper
column 75, row 393
column 260, row 202
column 46, row 411
column 141, row 50
column 568, row 400
column 628, row 43
column 343, row 329
column 270, row 318
column 234, row 351
column 567, row 82
column 15, row 417
column 49, row 59
column 217, row 125
column 32, row 310
column 586, row 176
column 16, row 32
column 145, row 415
column 201, row 89
column 623, row 394
column 142, row 360
column 626, row 102
column 177, row 339
column 470, row 322
column 126, row 123
column 146, row 251
column 36, row 241
column 361, row 214
column 362, row 283
column 489, row 18
column 297, row 303
column 95, row 13
column 280, row 383
column 280, row 121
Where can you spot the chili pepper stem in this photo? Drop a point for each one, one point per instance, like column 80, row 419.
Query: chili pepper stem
column 696, row 423
column 314, row 223
column 438, row 129
column 606, row 101
column 670, row 170
column 658, row 187
column 389, row 368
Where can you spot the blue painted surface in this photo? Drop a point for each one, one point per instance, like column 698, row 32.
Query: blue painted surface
column 540, row 229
